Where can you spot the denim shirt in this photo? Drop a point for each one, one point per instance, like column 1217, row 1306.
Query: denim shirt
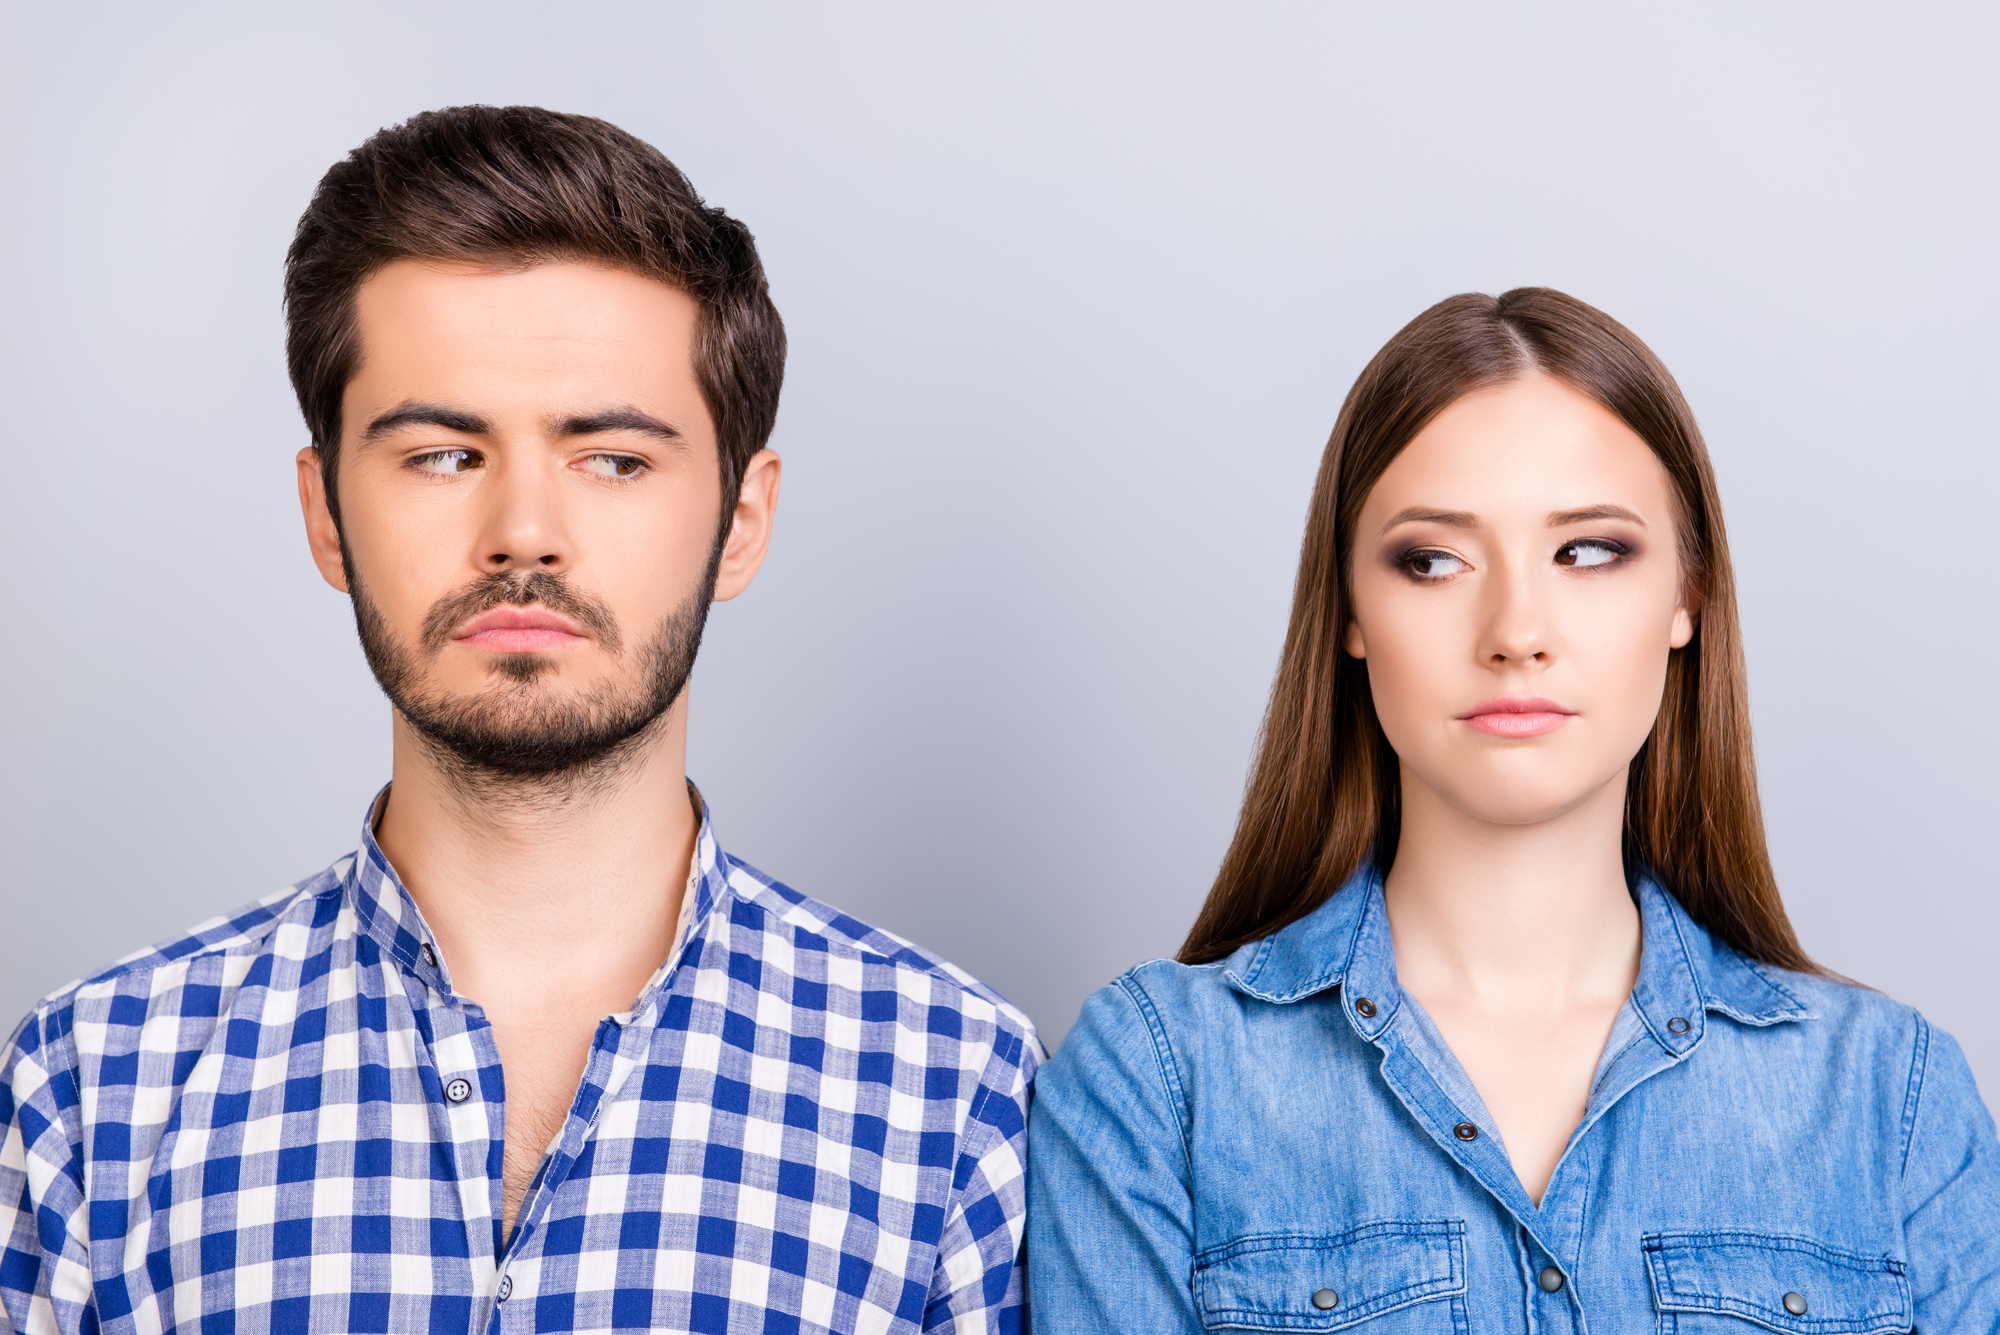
column 1281, row 1141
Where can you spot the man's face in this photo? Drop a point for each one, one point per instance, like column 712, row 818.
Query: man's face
column 529, row 494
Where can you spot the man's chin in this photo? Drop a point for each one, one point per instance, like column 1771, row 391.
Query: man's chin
column 523, row 667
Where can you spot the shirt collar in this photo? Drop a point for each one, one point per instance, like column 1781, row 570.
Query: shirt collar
column 386, row 914
column 1684, row 973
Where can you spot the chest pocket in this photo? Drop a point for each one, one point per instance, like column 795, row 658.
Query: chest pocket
column 1401, row 1278
column 1716, row 1281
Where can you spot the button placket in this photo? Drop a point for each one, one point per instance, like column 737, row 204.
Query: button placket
column 464, row 1043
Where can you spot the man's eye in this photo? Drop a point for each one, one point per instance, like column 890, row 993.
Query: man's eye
column 1433, row 564
column 1587, row 554
column 447, row 461
column 614, row 465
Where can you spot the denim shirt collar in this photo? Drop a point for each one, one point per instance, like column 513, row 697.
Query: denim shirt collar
column 1684, row 973
column 387, row 915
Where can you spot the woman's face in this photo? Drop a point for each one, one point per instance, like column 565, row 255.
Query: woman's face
column 1516, row 590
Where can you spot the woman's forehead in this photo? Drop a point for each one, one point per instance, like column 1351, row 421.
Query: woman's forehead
column 1530, row 448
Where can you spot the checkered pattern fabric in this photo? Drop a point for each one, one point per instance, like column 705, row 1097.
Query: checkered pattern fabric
column 288, row 1121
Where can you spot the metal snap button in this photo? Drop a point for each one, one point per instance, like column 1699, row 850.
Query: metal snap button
column 1325, row 1299
column 1551, row 1279
column 1466, row 1131
column 430, row 955
column 1364, row 1007
column 1795, row 1303
column 506, row 1288
column 1677, row 1025
column 459, row 1090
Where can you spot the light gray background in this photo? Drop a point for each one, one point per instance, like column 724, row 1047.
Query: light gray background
column 1074, row 293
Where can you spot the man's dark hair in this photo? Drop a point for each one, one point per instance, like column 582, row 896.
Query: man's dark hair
column 515, row 186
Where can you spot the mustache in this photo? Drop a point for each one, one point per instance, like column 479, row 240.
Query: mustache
column 518, row 588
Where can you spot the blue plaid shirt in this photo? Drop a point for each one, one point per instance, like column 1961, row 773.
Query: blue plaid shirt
column 287, row 1120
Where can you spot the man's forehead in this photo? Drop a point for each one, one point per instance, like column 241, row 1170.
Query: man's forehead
column 560, row 298
column 556, row 341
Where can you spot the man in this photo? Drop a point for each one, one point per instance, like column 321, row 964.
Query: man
column 539, row 1055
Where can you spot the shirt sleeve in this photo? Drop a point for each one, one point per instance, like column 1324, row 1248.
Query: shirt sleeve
column 1110, row 1213
column 978, row 1287
column 1951, row 1191
column 44, row 1258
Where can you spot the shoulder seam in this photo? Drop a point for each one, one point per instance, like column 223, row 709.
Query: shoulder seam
column 1163, row 1056
column 1913, row 1098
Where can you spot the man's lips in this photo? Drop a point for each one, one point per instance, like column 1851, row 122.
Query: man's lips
column 518, row 630
column 1517, row 716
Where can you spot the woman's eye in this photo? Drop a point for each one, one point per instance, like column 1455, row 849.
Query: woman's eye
column 447, row 461
column 614, row 465
column 1587, row 554
column 1433, row 564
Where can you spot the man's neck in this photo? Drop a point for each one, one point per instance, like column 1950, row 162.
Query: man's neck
column 556, row 890
column 1530, row 916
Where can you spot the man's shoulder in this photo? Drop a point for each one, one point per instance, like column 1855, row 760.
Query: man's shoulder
column 817, row 925
column 149, row 980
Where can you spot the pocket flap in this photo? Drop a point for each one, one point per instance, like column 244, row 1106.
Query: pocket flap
column 1268, row 1281
column 1831, row 1292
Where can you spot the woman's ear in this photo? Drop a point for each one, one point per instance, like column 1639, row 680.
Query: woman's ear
column 1685, row 612
column 1352, row 642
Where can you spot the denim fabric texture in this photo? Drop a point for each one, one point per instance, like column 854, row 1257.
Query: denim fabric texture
column 1281, row 1141
column 289, row 1121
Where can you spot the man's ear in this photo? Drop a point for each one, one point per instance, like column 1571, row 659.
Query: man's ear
column 750, row 527
column 1352, row 642
column 322, row 534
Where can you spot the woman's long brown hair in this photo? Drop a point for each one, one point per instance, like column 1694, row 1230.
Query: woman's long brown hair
column 1323, row 795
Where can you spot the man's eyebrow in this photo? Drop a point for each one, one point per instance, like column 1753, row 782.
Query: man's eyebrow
column 620, row 419
column 1564, row 518
column 426, row 414
column 1423, row 514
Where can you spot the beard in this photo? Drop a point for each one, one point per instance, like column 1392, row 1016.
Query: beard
column 522, row 734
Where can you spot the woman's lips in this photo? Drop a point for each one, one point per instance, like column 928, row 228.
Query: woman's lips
column 518, row 630
column 1517, row 716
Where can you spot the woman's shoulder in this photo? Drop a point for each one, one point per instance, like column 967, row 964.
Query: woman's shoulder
column 1149, row 1000
column 1848, row 1027
column 1834, row 1002
column 1164, row 1018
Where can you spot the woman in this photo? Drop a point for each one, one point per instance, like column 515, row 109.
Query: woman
column 1494, row 1019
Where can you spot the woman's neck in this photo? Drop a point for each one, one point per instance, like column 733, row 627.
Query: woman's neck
column 1518, row 917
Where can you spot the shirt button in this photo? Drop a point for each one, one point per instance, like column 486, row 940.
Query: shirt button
column 459, row 1090
column 506, row 1287
column 1466, row 1131
column 1325, row 1299
column 1365, row 1007
column 1795, row 1303
column 430, row 955
column 1677, row 1025
column 1551, row 1279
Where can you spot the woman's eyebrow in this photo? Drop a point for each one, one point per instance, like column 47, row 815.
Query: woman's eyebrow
column 1563, row 518
column 1422, row 514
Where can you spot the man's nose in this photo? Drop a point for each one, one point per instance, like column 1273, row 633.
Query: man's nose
column 524, row 528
